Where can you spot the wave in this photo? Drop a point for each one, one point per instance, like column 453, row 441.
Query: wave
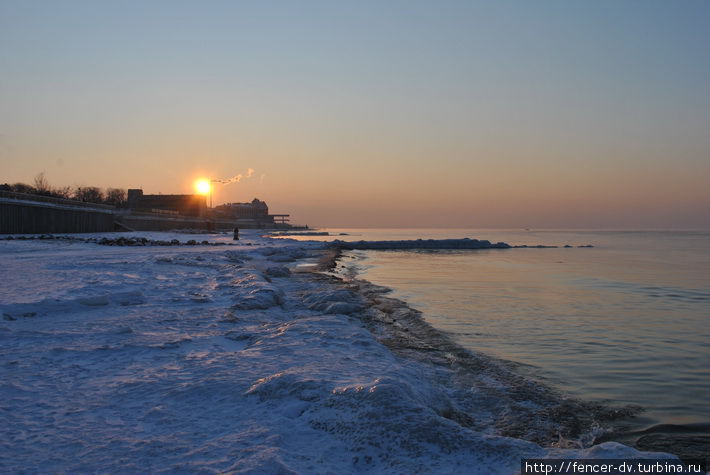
column 680, row 294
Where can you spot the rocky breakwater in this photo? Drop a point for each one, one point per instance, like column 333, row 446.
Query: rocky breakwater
column 464, row 243
column 449, row 244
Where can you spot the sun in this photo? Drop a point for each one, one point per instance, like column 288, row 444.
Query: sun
column 202, row 186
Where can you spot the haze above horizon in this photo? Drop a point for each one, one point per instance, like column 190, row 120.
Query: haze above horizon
column 505, row 114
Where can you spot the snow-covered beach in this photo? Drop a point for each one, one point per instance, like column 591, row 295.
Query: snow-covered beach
column 242, row 358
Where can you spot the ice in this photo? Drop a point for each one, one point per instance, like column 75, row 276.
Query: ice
column 465, row 243
column 226, row 359
column 338, row 301
column 51, row 306
column 278, row 271
column 252, row 291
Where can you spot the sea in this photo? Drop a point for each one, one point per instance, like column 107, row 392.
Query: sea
column 625, row 322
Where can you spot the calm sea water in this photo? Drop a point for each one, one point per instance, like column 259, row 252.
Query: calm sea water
column 627, row 321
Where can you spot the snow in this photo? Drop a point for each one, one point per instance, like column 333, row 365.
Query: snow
column 213, row 359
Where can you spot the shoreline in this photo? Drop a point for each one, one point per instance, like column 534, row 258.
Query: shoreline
column 228, row 360
column 587, row 421
column 553, row 419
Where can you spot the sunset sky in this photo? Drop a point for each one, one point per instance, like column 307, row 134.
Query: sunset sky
column 582, row 114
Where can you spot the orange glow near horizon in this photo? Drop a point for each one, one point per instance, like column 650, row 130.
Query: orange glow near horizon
column 203, row 187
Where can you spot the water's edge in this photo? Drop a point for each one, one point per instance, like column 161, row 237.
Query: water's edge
column 512, row 405
column 520, row 406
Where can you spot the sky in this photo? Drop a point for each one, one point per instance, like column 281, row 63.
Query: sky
column 492, row 114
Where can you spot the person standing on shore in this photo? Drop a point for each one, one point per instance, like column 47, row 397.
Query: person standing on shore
column 236, row 234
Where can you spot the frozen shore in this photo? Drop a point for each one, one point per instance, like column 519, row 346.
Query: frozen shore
column 240, row 358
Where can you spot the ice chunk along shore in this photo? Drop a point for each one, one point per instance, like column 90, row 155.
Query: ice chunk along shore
column 443, row 244
column 464, row 243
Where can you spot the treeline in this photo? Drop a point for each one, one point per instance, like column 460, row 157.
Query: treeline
column 87, row 194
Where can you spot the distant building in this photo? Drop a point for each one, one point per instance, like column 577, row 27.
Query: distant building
column 251, row 215
column 185, row 205
column 257, row 209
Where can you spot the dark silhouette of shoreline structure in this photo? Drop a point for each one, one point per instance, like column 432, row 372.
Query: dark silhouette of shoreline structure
column 252, row 215
column 28, row 213
column 185, row 205
column 24, row 213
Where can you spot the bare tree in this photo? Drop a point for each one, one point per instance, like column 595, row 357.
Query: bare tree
column 41, row 185
column 89, row 194
column 65, row 192
column 115, row 196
